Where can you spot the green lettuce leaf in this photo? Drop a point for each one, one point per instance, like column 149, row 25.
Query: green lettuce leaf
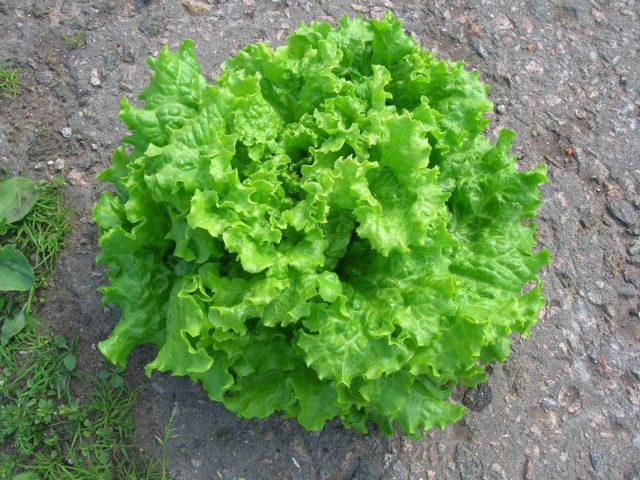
column 323, row 231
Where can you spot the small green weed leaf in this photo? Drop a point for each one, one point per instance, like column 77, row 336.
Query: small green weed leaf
column 104, row 374
column 59, row 341
column 15, row 271
column 116, row 381
column 12, row 326
column 26, row 476
column 18, row 195
column 9, row 80
column 69, row 362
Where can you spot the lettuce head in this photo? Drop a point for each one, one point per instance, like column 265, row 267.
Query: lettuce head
column 324, row 231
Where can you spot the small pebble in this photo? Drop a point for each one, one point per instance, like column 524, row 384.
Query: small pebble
column 66, row 132
column 497, row 472
column 633, row 473
column 196, row 7
column 110, row 60
column 152, row 25
column 534, row 68
column 76, row 178
column 624, row 212
column 127, row 53
column 527, row 472
column 38, row 166
column 466, row 463
column 477, row 46
column 597, row 462
column 58, row 165
column 634, row 279
column 44, row 77
column 95, row 78
column 501, row 109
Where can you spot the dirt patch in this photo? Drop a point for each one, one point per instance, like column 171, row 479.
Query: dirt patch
column 565, row 404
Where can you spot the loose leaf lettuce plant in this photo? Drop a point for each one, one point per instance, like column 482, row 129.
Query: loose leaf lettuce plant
column 323, row 231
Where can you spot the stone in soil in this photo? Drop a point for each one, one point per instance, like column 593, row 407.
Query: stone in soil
column 623, row 212
column 140, row 4
column 44, row 77
column 598, row 462
column 76, row 178
column 527, row 472
column 634, row 279
column 95, row 78
column 58, row 165
column 127, row 54
column 152, row 25
column 633, row 473
column 496, row 473
column 196, row 7
column 40, row 10
column 110, row 60
column 477, row 399
column 477, row 46
column 467, row 465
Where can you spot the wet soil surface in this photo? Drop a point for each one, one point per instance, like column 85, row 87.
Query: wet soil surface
column 564, row 75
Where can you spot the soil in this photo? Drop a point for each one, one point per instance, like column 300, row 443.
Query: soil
column 564, row 75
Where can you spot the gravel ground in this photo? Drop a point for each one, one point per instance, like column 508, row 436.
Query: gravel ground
column 564, row 75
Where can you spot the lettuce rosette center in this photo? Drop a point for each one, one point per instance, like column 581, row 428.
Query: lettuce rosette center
column 323, row 231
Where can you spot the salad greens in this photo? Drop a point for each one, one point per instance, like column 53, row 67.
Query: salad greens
column 323, row 231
